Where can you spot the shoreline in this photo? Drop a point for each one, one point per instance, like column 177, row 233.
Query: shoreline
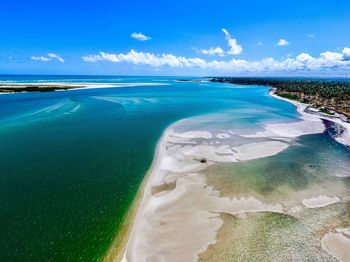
column 302, row 108
column 14, row 88
column 61, row 86
column 303, row 90
column 168, row 194
column 158, row 184
column 116, row 252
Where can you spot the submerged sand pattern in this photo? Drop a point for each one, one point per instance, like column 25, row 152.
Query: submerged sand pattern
column 183, row 217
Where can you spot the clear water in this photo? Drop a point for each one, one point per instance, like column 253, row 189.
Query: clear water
column 71, row 161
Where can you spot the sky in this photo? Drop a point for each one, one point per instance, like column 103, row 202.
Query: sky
column 182, row 37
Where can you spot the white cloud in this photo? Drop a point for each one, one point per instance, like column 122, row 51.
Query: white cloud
column 304, row 57
column 140, row 37
column 236, row 49
column 151, row 59
column 282, row 42
column 49, row 57
column 92, row 58
column 346, row 53
column 326, row 61
column 332, row 56
column 55, row 56
column 213, row 51
column 40, row 58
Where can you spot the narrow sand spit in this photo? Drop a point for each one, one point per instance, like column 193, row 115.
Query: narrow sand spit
column 78, row 86
column 258, row 150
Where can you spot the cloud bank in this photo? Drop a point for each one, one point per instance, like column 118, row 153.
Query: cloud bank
column 326, row 60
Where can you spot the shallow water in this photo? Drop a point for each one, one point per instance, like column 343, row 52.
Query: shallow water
column 315, row 165
column 71, row 162
column 266, row 237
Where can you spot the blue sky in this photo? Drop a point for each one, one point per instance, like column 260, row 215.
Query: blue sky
column 180, row 37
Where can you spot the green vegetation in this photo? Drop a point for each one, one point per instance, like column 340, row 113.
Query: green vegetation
column 331, row 94
column 289, row 96
column 326, row 111
column 324, row 88
column 33, row 88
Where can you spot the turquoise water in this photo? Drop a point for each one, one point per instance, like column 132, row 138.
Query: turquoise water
column 71, row 161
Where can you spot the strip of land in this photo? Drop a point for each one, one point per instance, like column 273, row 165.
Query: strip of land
column 329, row 96
column 17, row 88
column 308, row 111
column 9, row 88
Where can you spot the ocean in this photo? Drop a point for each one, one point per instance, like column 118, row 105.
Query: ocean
column 71, row 162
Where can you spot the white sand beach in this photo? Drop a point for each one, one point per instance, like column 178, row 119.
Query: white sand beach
column 320, row 201
column 177, row 196
column 344, row 138
column 72, row 86
column 179, row 213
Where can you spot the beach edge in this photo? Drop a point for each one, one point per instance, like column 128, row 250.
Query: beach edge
column 117, row 249
column 301, row 108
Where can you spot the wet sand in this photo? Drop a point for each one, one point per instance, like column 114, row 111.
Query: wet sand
column 177, row 196
column 182, row 217
column 337, row 244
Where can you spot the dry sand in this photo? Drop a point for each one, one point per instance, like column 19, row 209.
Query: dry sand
column 344, row 138
column 320, row 201
column 180, row 214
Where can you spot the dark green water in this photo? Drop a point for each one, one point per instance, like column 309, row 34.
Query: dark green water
column 66, row 183
column 66, row 186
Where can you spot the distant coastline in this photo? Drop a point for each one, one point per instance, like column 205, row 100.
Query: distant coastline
column 343, row 138
column 18, row 88
column 12, row 88
column 329, row 96
column 305, row 102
